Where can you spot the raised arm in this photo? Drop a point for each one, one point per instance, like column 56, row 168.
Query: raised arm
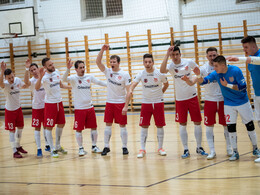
column 99, row 82
column 129, row 89
column 3, row 67
column 27, row 73
column 66, row 74
column 249, row 60
column 99, row 58
column 39, row 81
column 163, row 68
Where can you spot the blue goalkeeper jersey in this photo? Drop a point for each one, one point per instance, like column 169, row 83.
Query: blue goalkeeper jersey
column 255, row 74
column 233, row 76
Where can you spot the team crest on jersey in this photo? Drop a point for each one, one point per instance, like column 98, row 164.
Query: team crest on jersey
column 111, row 75
column 80, row 81
column 88, row 81
column 119, row 77
column 155, row 79
column 50, row 79
column 186, row 68
column 18, row 86
column 12, row 87
column 231, row 79
column 58, row 76
column 176, row 70
column 145, row 80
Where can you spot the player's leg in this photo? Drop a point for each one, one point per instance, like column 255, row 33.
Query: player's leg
column 79, row 125
column 18, row 133
column 257, row 109
column 36, row 123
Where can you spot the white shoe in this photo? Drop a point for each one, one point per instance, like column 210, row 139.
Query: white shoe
column 54, row 154
column 82, row 152
column 141, row 154
column 211, row 155
column 162, row 152
column 95, row 149
column 229, row 152
column 257, row 160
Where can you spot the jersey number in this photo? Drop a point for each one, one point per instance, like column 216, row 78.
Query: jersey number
column 227, row 118
column 49, row 122
column 10, row 125
column 76, row 124
column 141, row 120
column 35, row 122
column 206, row 119
column 177, row 116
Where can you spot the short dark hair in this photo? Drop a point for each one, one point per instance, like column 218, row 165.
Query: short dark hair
column 44, row 60
column 115, row 57
column 34, row 64
column 76, row 65
column 176, row 48
column 148, row 56
column 220, row 59
column 211, row 49
column 7, row 71
column 248, row 39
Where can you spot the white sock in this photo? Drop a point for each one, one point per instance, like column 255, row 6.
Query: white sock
column 58, row 136
column 94, row 135
column 18, row 136
column 79, row 139
column 107, row 135
column 49, row 139
column 253, row 138
column 12, row 141
column 184, row 137
column 233, row 140
column 144, row 133
column 226, row 134
column 124, row 136
column 160, row 136
column 210, row 138
column 198, row 134
column 37, row 136
column 45, row 138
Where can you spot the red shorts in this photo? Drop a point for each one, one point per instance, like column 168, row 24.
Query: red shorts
column 85, row 119
column 53, row 114
column 157, row 110
column 37, row 117
column 210, row 110
column 13, row 119
column 114, row 111
column 191, row 105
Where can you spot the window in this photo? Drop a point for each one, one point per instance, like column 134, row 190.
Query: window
column 102, row 8
column 2, row 2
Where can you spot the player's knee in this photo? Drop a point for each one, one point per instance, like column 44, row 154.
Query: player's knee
column 232, row 128
column 250, row 126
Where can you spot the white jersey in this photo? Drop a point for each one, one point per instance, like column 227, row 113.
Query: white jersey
column 38, row 95
column 212, row 90
column 12, row 94
column 152, row 85
column 183, row 90
column 51, row 84
column 81, row 89
column 116, row 83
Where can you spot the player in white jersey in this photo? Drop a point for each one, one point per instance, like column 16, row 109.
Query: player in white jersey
column 186, row 97
column 118, row 83
column 214, row 103
column 53, row 108
column 85, row 116
column 154, row 85
column 37, row 104
column 13, row 110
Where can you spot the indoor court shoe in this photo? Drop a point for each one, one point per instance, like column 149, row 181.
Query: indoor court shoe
column 105, row 151
column 256, row 152
column 141, row 154
column 39, row 153
column 229, row 152
column 17, row 155
column 125, row 151
column 20, row 149
column 54, row 154
column 162, row 152
column 61, row 149
column 95, row 149
column 186, row 154
column 235, row 156
column 257, row 160
column 82, row 152
column 211, row 155
column 201, row 151
column 47, row 148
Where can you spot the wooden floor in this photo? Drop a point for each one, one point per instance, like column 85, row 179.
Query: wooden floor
column 118, row 174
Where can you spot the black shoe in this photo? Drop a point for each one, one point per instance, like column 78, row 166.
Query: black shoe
column 125, row 151
column 47, row 148
column 105, row 151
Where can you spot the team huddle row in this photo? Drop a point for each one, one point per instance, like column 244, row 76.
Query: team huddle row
column 225, row 94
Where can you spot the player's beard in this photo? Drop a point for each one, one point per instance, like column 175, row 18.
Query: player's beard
column 51, row 69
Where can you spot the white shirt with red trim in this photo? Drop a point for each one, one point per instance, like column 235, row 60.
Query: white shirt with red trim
column 81, row 89
column 152, row 85
column 116, row 85
column 183, row 90
column 12, row 94
column 38, row 95
column 212, row 90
